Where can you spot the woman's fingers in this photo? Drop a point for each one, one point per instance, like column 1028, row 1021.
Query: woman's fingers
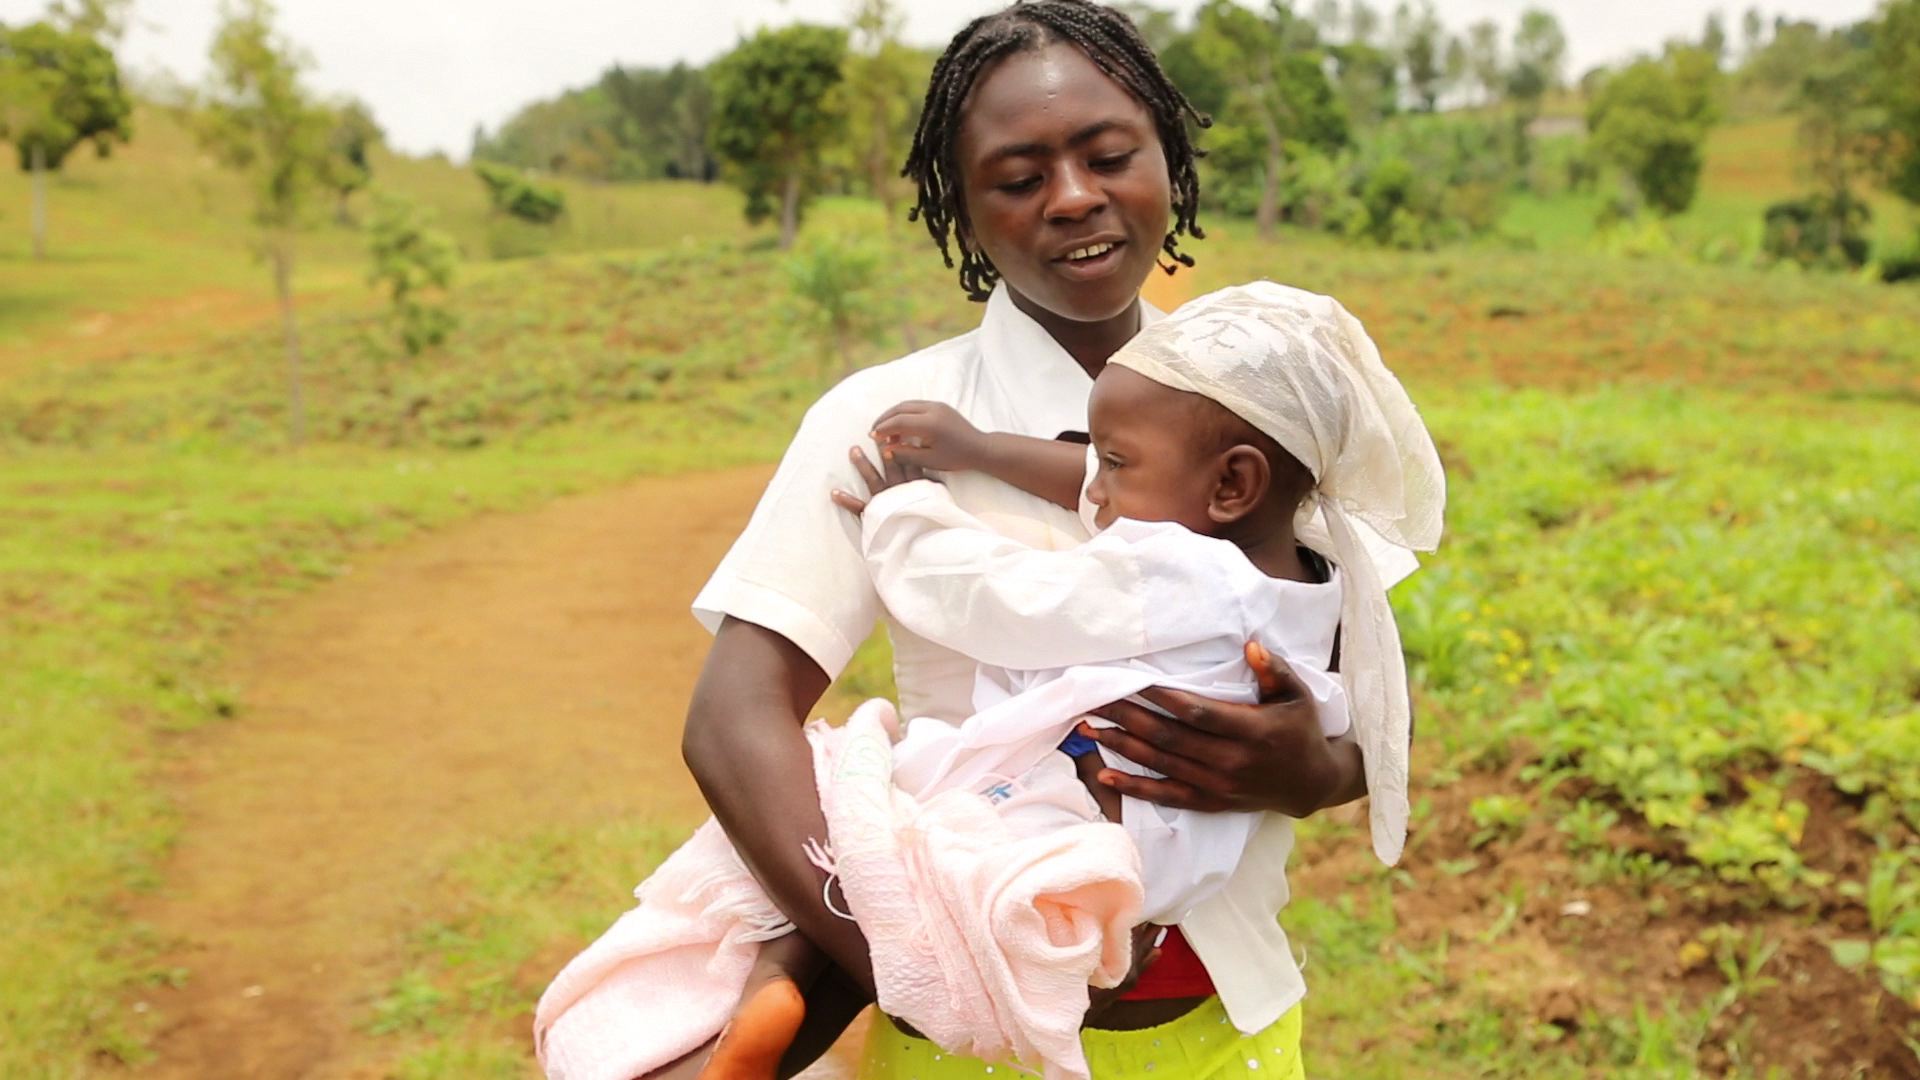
column 1188, row 729
column 1274, row 674
column 1172, row 793
column 1225, row 720
column 1151, row 752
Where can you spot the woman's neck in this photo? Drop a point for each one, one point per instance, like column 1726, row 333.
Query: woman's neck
column 1089, row 343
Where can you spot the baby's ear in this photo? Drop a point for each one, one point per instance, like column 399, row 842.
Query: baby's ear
column 1242, row 478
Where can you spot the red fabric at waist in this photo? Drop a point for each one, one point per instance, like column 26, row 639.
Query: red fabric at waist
column 1178, row 973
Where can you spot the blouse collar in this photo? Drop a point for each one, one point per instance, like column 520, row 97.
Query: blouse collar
column 1033, row 369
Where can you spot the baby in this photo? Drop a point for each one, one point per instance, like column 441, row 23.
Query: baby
column 1250, row 459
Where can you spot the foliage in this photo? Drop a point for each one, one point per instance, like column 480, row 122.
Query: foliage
column 837, row 283
column 1819, row 231
column 350, row 144
column 631, row 124
column 519, row 196
column 413, row 263
column 1276, row 92
column 773, row 111
column 1538, row 61
column 882, row 92
column 1896, row 63
column 1651, row 121
column 1419, row 37
column 62, row 88
column 260, row 121
column 258, row 118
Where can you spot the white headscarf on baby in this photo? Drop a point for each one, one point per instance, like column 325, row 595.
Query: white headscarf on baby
column 1299, row 367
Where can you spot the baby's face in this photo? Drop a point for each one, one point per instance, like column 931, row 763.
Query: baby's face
column 1156, row 457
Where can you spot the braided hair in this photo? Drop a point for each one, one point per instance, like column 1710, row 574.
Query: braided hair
column 1109, row 39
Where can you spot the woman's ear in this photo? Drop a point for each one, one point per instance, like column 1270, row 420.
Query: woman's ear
column 1242, row 479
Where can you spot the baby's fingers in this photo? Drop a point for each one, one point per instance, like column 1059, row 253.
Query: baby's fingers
column 848, row 501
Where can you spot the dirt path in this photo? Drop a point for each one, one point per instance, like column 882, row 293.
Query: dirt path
column 515, row 671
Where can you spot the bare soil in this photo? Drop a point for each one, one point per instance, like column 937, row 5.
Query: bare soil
column 517, row 671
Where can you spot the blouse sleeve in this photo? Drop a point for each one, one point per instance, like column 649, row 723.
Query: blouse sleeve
column 797, row 568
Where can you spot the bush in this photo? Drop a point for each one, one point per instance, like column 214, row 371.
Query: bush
column 414, row 263
column 1818, row 231
column 515, row 194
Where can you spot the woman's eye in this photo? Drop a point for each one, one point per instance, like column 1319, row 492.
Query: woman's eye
column 1113, row 161
column 1017, row 187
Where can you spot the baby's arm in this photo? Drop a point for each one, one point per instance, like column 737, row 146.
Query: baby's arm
column 930, row 435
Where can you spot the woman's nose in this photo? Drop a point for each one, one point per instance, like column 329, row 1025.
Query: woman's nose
column 1074, row 194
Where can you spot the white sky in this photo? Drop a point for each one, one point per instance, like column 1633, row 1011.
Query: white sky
column 432, row 69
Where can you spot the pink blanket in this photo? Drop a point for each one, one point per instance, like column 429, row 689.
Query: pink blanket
column 983, row 938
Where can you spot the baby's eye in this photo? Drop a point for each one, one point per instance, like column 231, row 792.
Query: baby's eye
column 1108, row 461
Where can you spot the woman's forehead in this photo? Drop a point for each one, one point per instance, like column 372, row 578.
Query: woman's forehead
column 1042, row 99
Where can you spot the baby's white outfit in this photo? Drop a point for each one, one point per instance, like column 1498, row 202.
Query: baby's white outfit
column 1057, row 633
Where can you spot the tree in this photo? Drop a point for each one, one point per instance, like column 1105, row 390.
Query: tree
column 882, row 75
column 1278, row 87
column 102, row 20
column 1753, row 34
column 1896, row 90
column 1329, row 19
column 773, row 112
column 349, row 164
column 1539, row 57
column 1365, row 78
column 59, row 87
column 1363, row 23
column 1158, row 26
column 1713, row 37
column 1417, row 35
column 259, row 120
column 1484, row 60
column 1651, row 121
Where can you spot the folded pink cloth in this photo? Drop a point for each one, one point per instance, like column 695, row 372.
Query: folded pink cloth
column 667, row 975
column 984, row 937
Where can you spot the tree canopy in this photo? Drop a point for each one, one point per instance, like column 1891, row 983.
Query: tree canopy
column 774, row 110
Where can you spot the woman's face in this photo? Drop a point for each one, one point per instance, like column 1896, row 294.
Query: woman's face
column 1064, row 182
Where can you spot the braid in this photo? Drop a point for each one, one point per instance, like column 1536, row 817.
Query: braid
column 1109, row 39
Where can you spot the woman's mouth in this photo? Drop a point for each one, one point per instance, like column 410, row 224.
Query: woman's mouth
column 1091, row 261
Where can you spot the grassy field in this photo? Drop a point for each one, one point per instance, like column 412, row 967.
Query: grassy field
column 1664, row 669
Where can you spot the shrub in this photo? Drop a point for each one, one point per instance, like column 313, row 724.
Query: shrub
column 1820, row 231
column 515, row 194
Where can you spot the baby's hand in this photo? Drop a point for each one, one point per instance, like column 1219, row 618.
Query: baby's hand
column 929, row 435
column 892, row 473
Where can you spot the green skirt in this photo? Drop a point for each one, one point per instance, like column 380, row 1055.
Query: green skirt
column 1198, row 1046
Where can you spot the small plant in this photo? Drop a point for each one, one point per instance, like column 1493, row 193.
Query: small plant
column 413, row 263
column 1497, row 816
column 835, row 283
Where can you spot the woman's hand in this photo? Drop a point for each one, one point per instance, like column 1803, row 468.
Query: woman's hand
column 892, row 473
column 930, row 435
column 1220, row 755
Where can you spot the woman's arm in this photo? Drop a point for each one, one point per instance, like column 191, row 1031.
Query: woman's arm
column 929, row 435
column 1220, row 755
column 744, row 745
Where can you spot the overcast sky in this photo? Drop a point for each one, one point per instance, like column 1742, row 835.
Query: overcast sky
column 432, row 69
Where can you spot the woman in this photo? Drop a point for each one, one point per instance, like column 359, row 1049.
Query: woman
column 1055, row 154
